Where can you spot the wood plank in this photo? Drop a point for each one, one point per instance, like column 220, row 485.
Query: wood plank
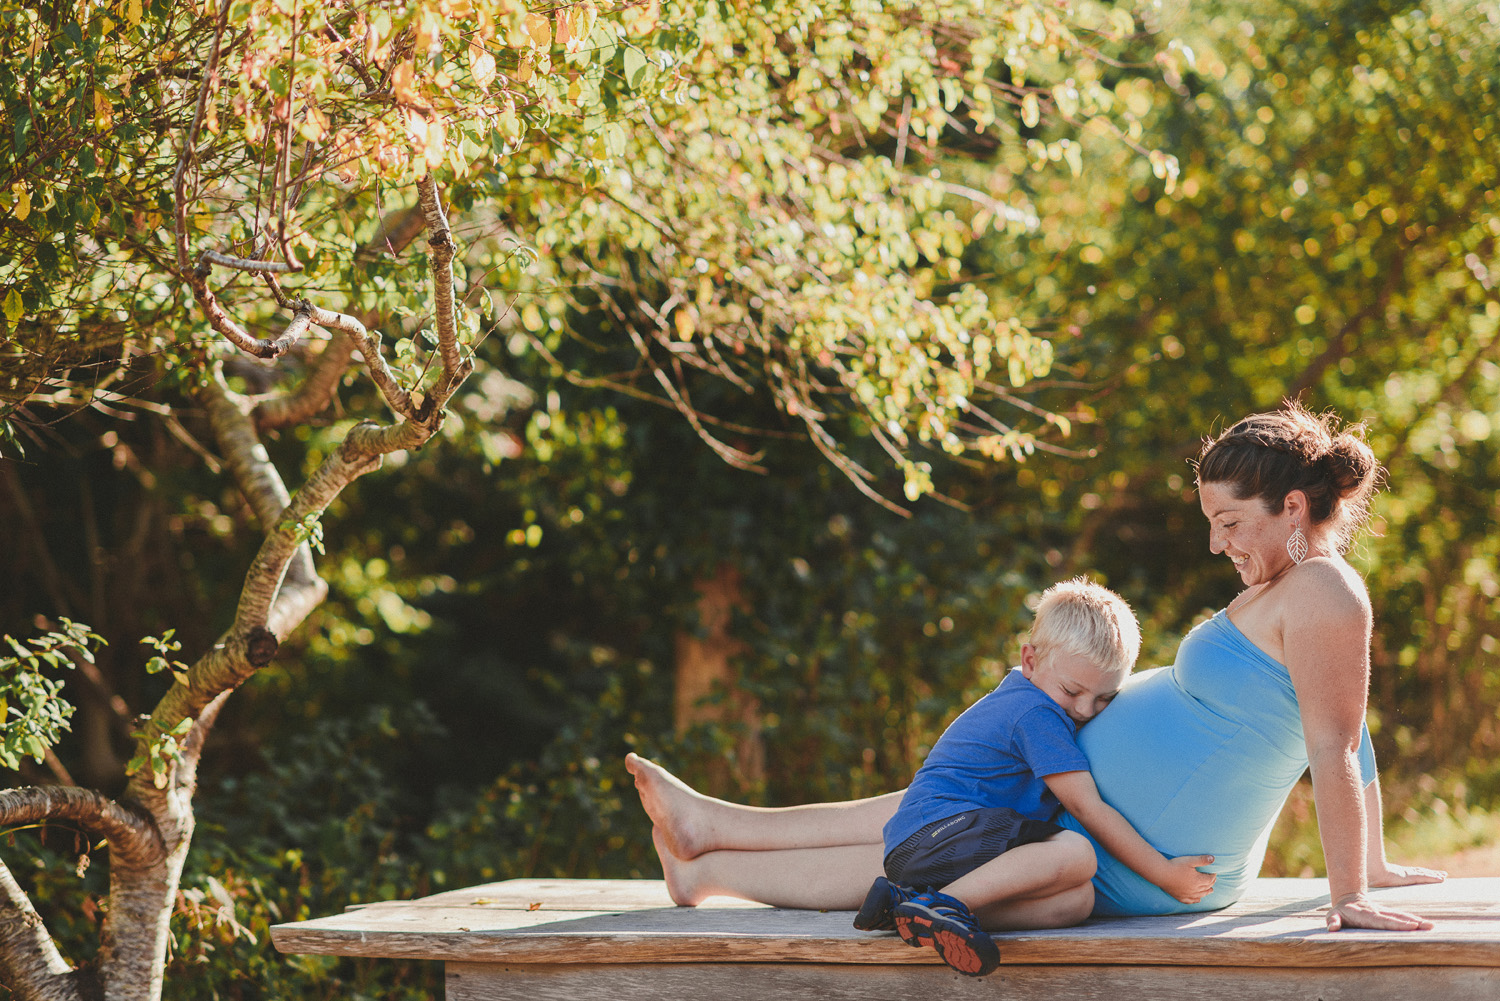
column 758, row 982
column 567, row 895
column 1281, row 924
column 1472, row 897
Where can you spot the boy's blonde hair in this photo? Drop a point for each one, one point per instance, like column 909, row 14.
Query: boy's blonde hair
column 1087, row 620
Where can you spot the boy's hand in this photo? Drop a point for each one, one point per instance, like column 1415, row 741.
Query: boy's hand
column 1181, row 878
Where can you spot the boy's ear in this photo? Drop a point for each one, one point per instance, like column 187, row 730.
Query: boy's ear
column 1028, row 660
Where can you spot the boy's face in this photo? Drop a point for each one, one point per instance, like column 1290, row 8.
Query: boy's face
column 1074, row 682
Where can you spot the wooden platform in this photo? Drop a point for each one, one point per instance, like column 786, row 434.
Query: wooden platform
column 623, row 940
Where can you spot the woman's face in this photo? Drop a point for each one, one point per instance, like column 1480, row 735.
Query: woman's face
column 1252, row 537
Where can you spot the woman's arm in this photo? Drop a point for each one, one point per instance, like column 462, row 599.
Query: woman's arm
column 1326, row 643
column 1179, row 877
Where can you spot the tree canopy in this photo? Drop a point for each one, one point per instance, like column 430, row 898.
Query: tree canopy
column 220, row 213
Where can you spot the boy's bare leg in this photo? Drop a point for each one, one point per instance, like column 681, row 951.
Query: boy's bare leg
column 833, row 878
column 689, row 823
column 1031, row 883
column 1060, row 910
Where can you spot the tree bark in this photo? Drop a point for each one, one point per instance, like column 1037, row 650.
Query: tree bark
column 704, row 668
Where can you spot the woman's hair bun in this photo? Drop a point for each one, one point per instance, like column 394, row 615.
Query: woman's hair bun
column 1268, row 455
column 1351, row 462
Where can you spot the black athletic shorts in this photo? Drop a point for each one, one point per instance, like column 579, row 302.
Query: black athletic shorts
column 955, row 846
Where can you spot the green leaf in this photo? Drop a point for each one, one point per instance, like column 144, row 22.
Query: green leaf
column 614, row 139
column 14, row 307
column 635, row 67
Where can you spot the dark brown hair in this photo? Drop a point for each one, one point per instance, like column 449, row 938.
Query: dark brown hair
column 1267, row 456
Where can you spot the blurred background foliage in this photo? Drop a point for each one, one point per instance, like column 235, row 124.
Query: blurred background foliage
column 527, row 601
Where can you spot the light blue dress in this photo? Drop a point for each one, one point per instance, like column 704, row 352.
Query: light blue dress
column 1199, row 757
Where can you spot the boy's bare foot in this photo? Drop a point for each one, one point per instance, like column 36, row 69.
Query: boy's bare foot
column 676, row 810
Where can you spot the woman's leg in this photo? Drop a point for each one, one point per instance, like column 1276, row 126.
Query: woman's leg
column 689, row 824
column 833, row 878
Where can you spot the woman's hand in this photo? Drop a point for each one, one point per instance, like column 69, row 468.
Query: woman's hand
column 1355, row 910
column 1389, row 874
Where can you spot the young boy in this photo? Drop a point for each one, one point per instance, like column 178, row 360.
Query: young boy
column 976, row 820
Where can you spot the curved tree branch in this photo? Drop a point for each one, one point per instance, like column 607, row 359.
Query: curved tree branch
column 368, row 343
column 131, row 835
column 315, row 393
column 262, row 486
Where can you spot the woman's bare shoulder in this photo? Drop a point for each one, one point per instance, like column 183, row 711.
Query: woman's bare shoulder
column 1326, row 590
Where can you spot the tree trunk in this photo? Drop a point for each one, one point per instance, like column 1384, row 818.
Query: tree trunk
column 704, row 670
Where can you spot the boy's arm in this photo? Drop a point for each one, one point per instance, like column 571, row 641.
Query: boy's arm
column 1179, row 877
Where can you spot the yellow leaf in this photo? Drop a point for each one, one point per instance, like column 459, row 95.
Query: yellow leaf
column 104, row 112
column 315, row 125
column 14, row 307
column 1031, row 112
column 539, row 26
column 428, row 30
column 525, row 67
column 640, row 19
column 437, row 136
column 133, row 12
column 402, row 83
column 1073, row 153
column 482, row 63
column 23, row 201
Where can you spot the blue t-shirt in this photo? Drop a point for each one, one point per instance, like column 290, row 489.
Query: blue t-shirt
column 995, row 754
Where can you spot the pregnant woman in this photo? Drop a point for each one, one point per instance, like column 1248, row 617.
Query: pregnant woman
column 1199, row 756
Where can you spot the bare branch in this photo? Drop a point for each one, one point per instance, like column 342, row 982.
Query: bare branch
column 440, row 239
column 244, row 264
column 368, row 343
column 267, row 599
column 30, row 964
column 300, row 589
column 224, row 325
column 132, row 836
column 190, row 142
column 245, row 456
column 853, row 471
column 397, row 231
column 315, row 393
column 735, row 457
column 57, row 768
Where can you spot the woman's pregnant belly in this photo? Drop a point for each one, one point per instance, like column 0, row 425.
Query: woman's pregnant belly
column 1191, row 782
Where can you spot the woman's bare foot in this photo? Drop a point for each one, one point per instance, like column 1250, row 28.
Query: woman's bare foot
column 1405, row 875
column 676, row 811
column 681, row 886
